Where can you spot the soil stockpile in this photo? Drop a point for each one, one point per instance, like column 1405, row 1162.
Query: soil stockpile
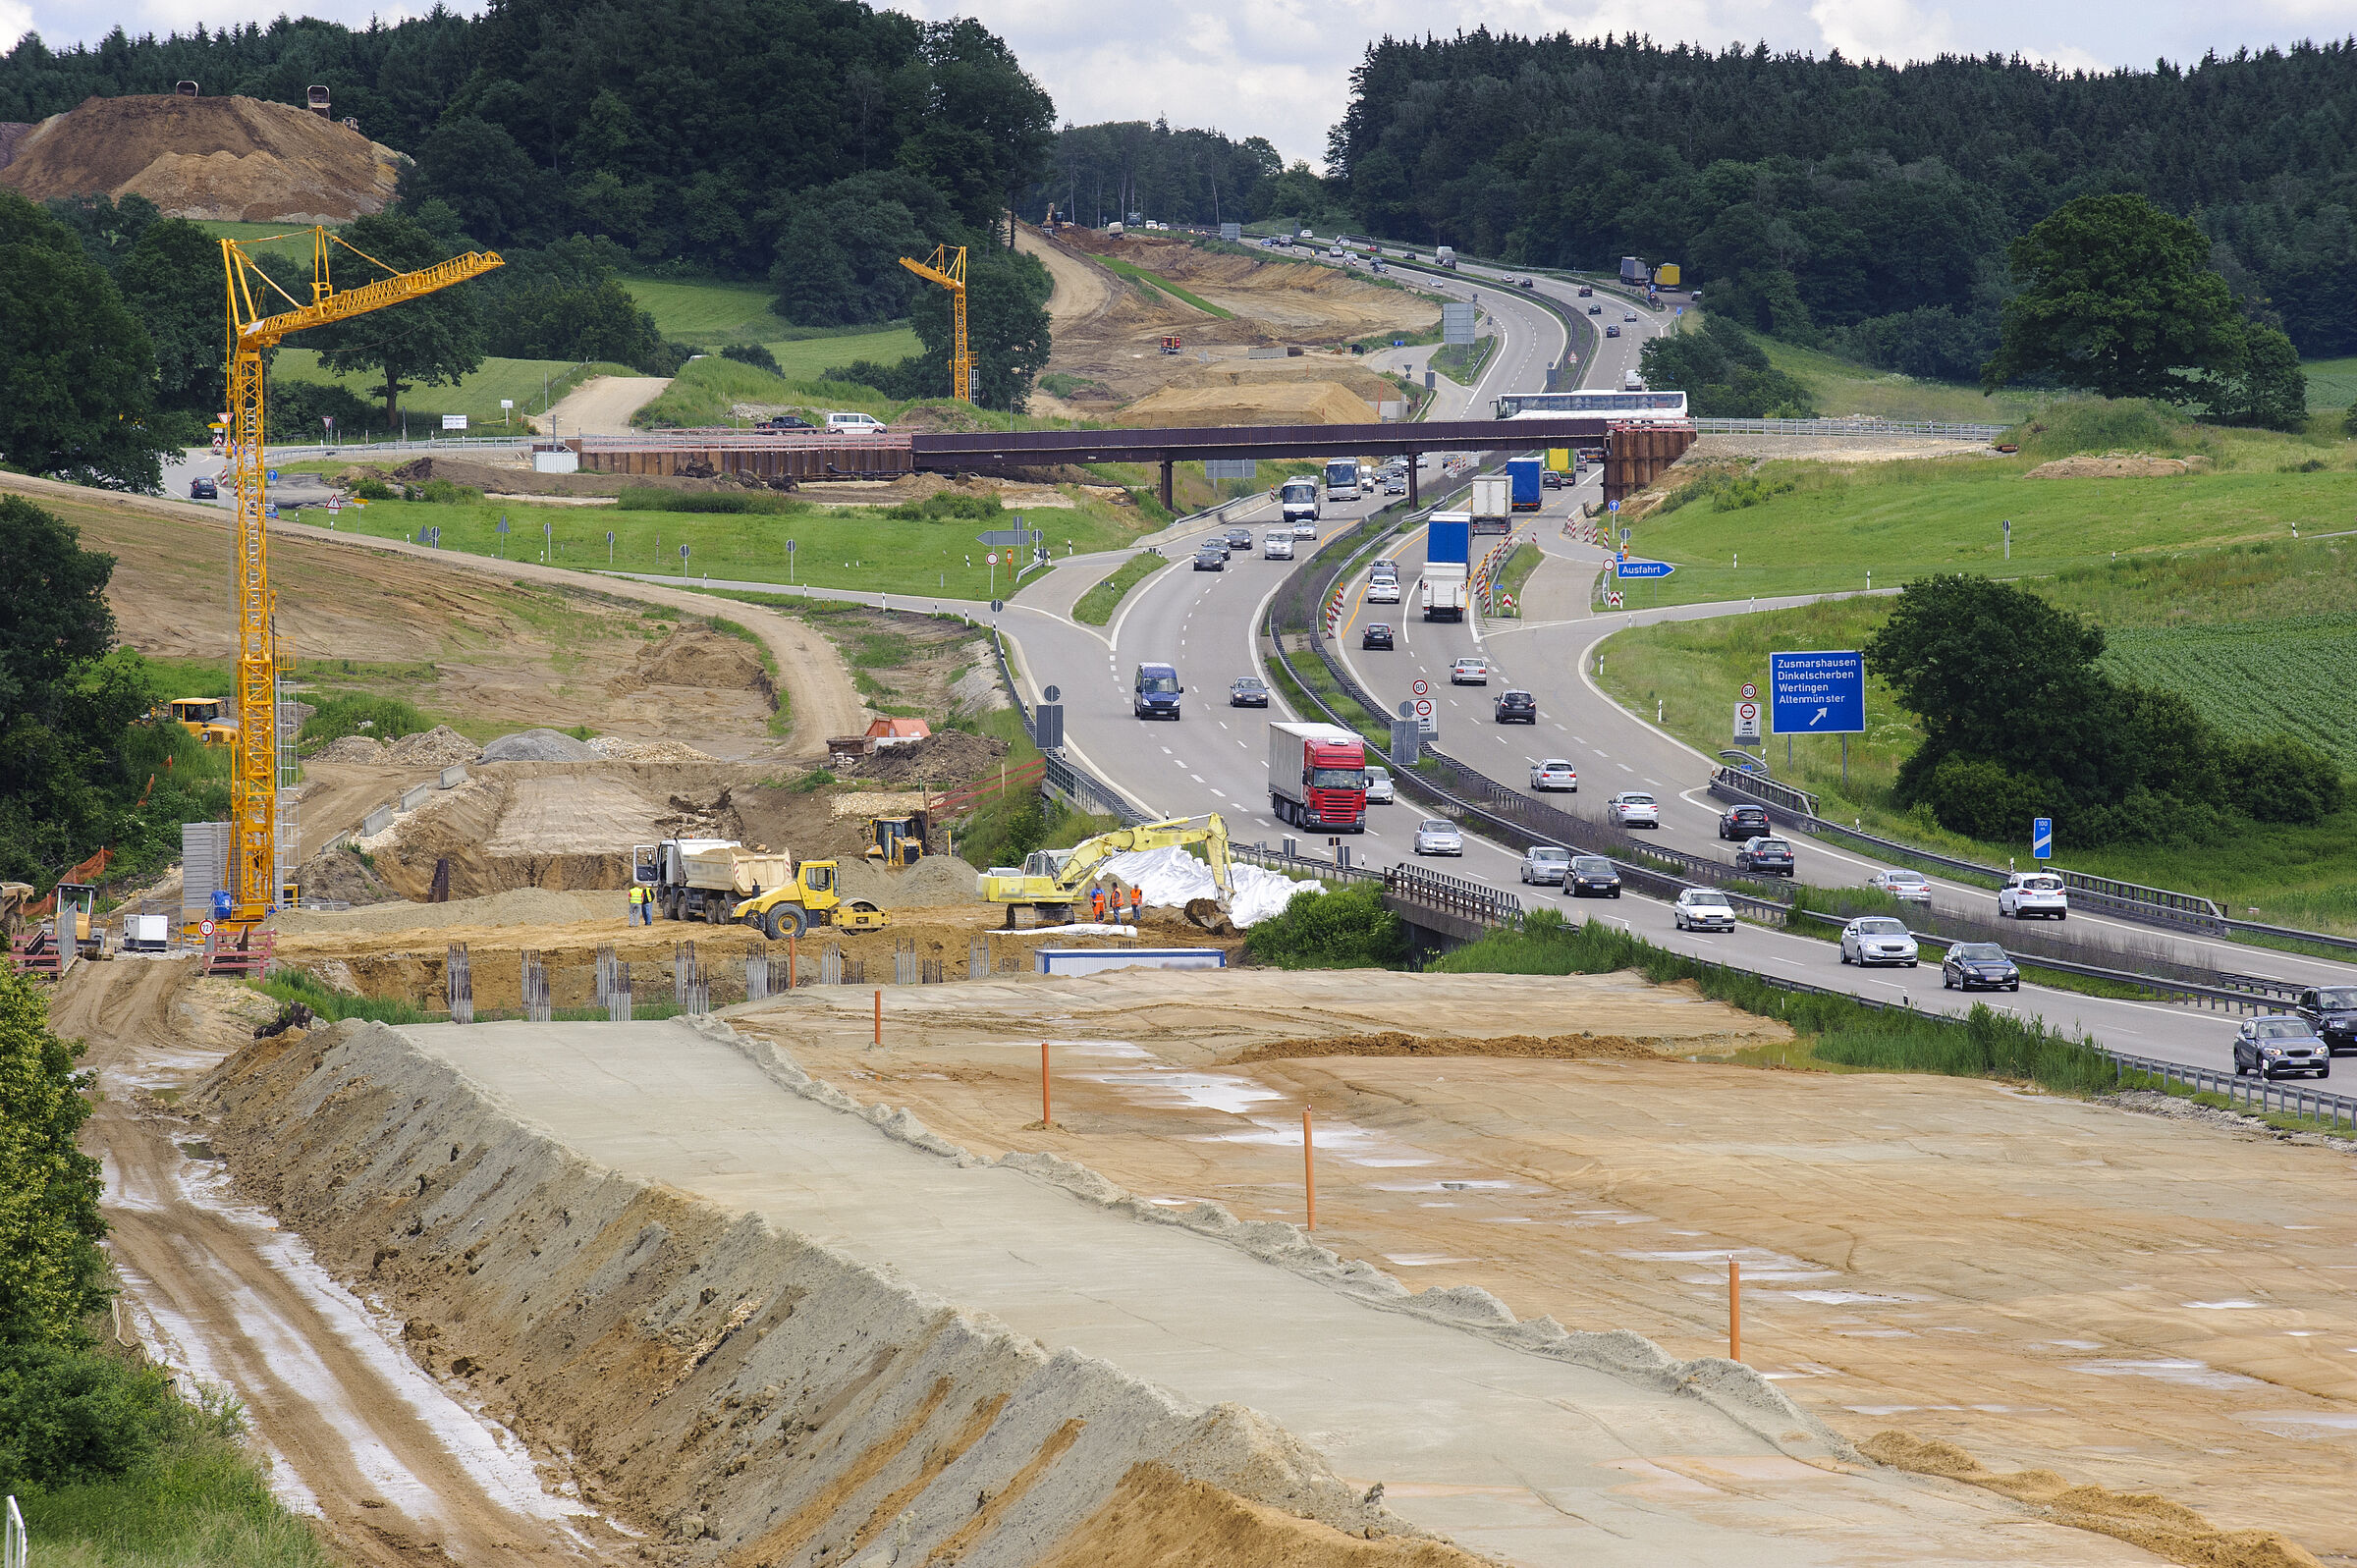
column 519, row 907
column 2117, row 466
column 694, row 656
column 437, row 747
column 235, row 159
column 363, row 749
column 1310, row 402
column 944, row 757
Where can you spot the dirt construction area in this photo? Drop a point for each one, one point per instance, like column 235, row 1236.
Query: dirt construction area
column 758, row 1290
column 1110, row 327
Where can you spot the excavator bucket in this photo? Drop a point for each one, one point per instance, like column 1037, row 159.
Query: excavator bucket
column 1207, row 914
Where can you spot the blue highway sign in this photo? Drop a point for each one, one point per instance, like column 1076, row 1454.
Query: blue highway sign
column 2041, row 838
column 1820, row 693
column 1625, row 568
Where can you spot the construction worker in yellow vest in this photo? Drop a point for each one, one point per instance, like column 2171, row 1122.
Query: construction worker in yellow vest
column 642, row 904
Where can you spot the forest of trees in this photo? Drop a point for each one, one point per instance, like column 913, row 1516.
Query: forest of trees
column 1126, row 170
column 689, row 135
column 1863, row 207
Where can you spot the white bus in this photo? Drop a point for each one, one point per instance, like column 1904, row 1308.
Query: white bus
column 1628, row 408
column 1342, row 479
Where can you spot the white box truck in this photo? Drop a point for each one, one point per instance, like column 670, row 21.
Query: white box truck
column 1445, row 256
column 1442, row 593
column 1492, row 504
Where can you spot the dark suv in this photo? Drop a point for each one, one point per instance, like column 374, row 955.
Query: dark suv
column 1741, row 823
column 1238, row 539
column 2331, row 1012
column 1766, row 857
column 1517, row 708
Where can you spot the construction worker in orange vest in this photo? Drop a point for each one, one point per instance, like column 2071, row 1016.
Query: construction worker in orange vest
column 1096, row 903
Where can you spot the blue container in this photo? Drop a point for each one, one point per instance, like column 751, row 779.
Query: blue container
column 1525, row 475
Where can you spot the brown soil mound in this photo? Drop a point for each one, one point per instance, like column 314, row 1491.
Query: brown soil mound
column 694, row 656
column 1606, row 1048
column 2166, row 1529
column 2117, row 466
column 1314, row 403
column 1158, row 1518
column 236, row 159
column 946, row 757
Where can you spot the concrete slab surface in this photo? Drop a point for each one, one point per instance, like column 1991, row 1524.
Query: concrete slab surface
column 1527, row 1457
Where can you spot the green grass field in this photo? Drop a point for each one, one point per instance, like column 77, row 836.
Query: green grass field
column 709, row 310
column 805, row 358
column 1836, row 525
column 1096, row 606
column 1843, row 387
column 526, row 381
column 849, row 547
column 2332, row 383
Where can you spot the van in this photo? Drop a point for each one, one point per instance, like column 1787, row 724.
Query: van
column 853, row 424
column 1632, row 381
column 1154, row 693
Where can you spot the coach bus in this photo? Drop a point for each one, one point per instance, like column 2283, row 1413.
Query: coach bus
column 1342, row 479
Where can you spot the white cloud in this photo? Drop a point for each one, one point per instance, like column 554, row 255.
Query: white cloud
column 1883, row 30
column 16, row 21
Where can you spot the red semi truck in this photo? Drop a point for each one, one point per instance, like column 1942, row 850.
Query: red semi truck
column 1318, row 777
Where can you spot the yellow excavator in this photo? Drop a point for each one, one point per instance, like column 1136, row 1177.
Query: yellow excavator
column 1053, row 881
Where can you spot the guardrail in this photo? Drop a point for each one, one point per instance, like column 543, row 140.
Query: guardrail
column 1260, row 854
column 1437, row 891
column 1849, row 427
column 2292, row 1100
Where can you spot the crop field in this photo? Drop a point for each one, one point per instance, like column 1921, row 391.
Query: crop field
column 805, row 358
column 2332, row 383
column 708, row 311
column 2255, row 679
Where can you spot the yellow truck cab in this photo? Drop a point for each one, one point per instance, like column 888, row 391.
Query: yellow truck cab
column 202, row 718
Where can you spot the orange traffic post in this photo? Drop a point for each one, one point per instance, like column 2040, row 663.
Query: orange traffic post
column 879, row 1017
column 1310, row 1170
column 1734, row 1310
column 1047, row 1116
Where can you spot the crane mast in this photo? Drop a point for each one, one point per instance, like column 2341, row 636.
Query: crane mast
column 946, row 267
column 263, row 655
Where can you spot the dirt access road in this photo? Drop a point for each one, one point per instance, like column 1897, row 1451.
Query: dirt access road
column 601, row 406
column 398, row 1473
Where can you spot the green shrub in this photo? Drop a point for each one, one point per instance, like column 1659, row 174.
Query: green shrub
column 69, row 1415
column 291, row 986
column 753, row 353
column 946, row 504
column 647, row 498
column 443, row 493
column 375, row 489
column 384, row 717
column 1345, row 928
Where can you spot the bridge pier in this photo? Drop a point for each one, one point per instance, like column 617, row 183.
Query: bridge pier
column 1166, row 461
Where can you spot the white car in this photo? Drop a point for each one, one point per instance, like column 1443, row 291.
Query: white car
column 1703, row 909
column 1380, row 791
column 1877, row 939
column 1628, row 316
column 1554, row 773
column 1305, row 528
column 1383, row 590
column 1437, row 835
column 1545, row 864
column 1277, row 546
column 2033, row 893
column 1633, row 808
column 1469, row 673
column 840, row 423
column 1908, row 886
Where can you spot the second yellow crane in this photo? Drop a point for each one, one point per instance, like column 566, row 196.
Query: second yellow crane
column 253, row 881
column 946, row 267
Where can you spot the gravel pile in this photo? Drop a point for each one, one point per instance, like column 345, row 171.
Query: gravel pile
column 616, row 749
column 538, row 745
column 439, row 746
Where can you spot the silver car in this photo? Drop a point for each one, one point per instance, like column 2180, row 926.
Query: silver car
column 1277, row 546
column 1436, row 836
column 1306, row 527
column 1877, row 939
column 2271, row 1047
column 1554, row 773
column 1546, row 864
column 2033, row 893
column 1379, row 788
column 1703, row 909
column 1633, row 808
column 1908, row 886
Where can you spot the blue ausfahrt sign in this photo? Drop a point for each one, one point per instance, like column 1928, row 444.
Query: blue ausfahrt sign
column 1625, row 568
column 1820, row 693
column 2041, row 838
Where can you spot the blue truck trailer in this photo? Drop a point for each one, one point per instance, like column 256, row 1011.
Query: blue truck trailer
column 1525, row 475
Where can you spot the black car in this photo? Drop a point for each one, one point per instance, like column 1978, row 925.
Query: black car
column 1248, row 691
column 202, row 490
column 1592, row 877
column 1377, row 635
column 1768, row 857
column 1585, row 291
column 1554, row 480
column 787, row 421
column 1740, row 824
column 1238, row 539
column 1211, row 559
column 1517, row 708
column 1978, row 966
column 2331, row 1012
column 1595, row 310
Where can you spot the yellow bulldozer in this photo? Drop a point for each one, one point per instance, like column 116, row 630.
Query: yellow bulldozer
column 1052, row 880
column 812, row 899
column 897, row 843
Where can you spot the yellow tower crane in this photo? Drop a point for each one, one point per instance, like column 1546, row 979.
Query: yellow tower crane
column 946, row 267
column 254, row 762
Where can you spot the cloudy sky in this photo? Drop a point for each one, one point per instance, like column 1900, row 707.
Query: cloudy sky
column 1281, row 68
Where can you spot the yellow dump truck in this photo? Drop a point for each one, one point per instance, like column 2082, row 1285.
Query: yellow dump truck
column 704, row 879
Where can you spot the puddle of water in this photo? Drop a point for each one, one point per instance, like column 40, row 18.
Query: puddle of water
column 1340, row 1140
column 1844, row 1298
column 2074, row 1344
column 2302, row 1422
column 2224, row 1306
column 1420, row 1260
column 2185, row 1373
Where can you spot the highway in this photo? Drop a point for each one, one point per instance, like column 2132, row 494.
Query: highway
column 1213, row 758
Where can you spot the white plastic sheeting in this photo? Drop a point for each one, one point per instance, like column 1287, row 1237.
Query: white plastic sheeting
column 1170, row 877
